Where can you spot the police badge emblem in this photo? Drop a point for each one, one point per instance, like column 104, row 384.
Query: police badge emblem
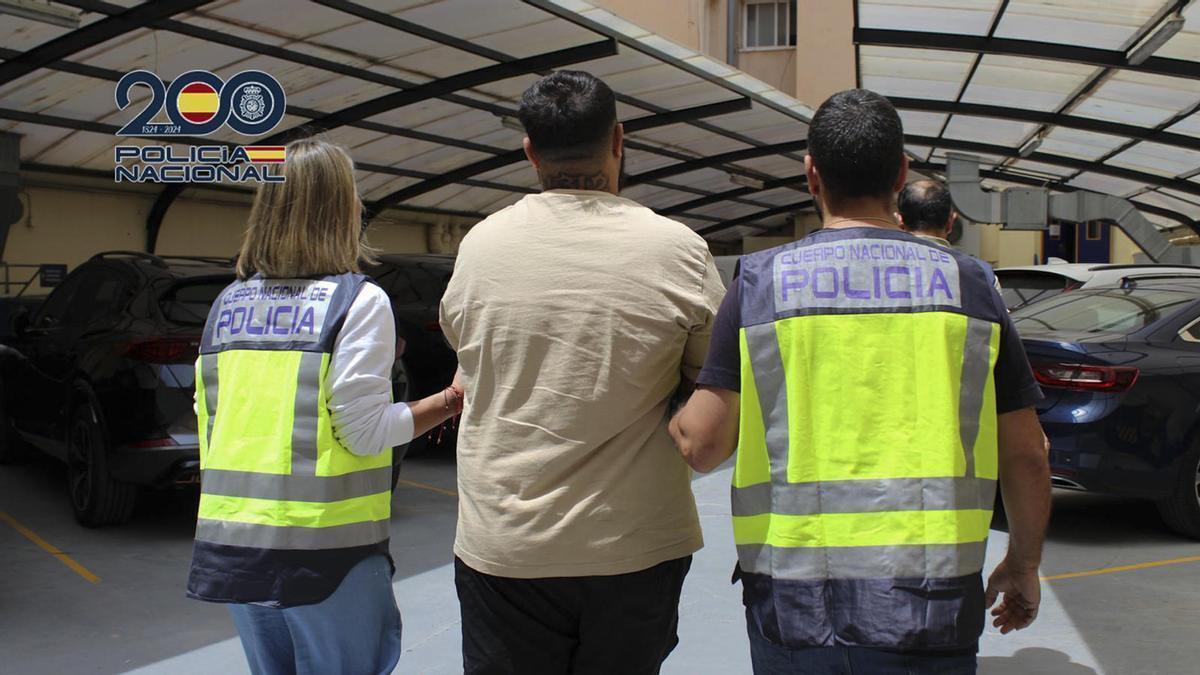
column 251, row 105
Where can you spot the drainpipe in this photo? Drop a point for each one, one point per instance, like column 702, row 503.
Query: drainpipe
column 731, row 32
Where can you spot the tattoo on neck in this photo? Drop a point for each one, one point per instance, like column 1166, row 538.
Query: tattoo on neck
column 563, row 180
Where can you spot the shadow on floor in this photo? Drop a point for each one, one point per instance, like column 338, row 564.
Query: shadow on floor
column 1033, row 661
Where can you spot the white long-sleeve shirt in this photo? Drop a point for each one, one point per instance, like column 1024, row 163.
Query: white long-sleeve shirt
column 365, row 421
column 364, row 418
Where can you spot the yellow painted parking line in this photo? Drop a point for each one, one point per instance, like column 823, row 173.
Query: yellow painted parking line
column 1124, row 568
column 48, row 548
column 431, row 488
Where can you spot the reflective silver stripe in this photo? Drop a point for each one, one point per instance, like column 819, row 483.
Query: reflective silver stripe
column 296, row 488
column 937, row 561
column 304, row 424
column 208, row 372
column 762, row 343
column 306, row 538
column 865, row 496
column 976, row 363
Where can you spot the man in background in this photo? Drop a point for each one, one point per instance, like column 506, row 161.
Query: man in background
column 926, row 210
column 576, row 315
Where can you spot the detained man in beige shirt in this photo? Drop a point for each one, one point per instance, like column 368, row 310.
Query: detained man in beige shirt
column 576, row 315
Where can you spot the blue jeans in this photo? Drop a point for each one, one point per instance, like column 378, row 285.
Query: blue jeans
column 769, row 658
column 355, row 631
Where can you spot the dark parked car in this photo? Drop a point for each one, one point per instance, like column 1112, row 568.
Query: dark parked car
column 425, row 363
column 101, row 374
column 1120, row 368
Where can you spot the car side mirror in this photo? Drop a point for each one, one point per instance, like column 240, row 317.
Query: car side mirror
column 20, row 321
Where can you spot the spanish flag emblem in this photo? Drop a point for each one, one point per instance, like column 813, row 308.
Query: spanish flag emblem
column 264, row 153
column 198, row 102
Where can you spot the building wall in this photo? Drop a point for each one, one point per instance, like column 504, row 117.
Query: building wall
column 1123, row 248
column 825, row 49
column 70, row 223
column 776, row 67
column 1007, row 248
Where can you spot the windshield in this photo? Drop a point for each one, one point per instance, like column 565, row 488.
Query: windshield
column 1022, row 288
column 188, row 302
column 1112, row 310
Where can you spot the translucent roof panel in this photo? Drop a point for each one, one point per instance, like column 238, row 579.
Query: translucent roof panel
column 1105, row 24
column 922, row 123
column 1155, row 158
column 1106, row 184
column 1006, row 81
column 1080, row 144
column 1188, row 125
column 1185, row 45
column 1041, row 169
column 1140, row 99
column 986, row 130
column 1187, row 207
column 915, row 73
column 969, row 17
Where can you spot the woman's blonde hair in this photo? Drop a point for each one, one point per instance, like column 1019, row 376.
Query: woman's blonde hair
column 309, row 225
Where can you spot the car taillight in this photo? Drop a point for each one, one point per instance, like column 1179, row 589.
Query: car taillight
column 164, row 350
column 1080, row 377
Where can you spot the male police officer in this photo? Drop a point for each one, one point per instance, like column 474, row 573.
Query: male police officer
column 876, row 390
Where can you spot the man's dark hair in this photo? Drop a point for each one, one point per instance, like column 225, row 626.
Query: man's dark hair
column 569, row 116
column 857, row 143
column 925, row 206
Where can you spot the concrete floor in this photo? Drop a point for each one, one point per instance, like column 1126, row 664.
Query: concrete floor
column 136, row 619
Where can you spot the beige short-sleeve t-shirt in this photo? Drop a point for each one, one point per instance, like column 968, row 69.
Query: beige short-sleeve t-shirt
column 574, row 315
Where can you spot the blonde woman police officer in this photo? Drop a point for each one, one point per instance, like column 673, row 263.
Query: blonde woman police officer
column 296, row 428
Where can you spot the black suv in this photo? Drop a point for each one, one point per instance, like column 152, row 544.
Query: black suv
column 101, row 376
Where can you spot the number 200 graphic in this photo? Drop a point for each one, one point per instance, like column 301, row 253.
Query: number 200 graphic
column 199, row 103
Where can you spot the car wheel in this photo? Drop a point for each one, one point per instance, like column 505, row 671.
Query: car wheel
column 96, row 498
column 1181, row 511
column 12, row 448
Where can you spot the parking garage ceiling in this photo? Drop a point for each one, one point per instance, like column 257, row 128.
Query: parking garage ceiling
column 1048, row 92
column 423, row 93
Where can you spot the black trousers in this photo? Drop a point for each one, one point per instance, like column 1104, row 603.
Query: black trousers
column 623, row 624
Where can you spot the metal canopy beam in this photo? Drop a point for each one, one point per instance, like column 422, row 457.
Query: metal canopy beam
column 749, row 218
column 1058, row 160
column 449, row 85
column 120, row 23
column 732, row 196
column 1106, row 58
column 1047, row 118
column 514, row 156
column 716, row 160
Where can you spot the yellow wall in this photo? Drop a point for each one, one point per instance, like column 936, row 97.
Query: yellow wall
column 776, row 67
column 825, row 48
column 1123, row 247
column 70, row 223
column 680, row 21
column 1008, row 248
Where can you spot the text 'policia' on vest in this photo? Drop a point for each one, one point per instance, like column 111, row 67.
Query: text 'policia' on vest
column 866, row 527
column 279, row 493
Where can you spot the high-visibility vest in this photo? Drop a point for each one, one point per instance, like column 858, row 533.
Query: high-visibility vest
column 867, row 458
column 273, row 475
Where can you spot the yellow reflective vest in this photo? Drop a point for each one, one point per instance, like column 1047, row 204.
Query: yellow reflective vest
column 275, row 481
column 867, row 460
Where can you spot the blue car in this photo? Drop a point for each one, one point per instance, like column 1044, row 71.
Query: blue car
column 1120, row 368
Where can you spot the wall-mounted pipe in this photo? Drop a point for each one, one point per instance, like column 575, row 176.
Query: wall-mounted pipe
column 1032, row 209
